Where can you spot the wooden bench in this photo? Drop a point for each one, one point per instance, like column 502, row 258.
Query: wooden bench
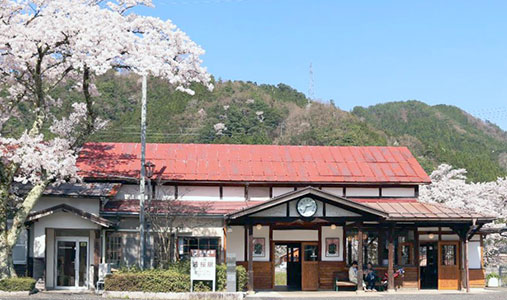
column 341, row 281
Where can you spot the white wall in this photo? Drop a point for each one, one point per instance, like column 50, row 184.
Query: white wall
column 328, row 232
column 305, row 235
column 59, row 220
column 258, row 193
column 50, row 258
column 233, row 193
column 164, row 192
column 398, row 192
column 128, row 192
column 362, row 192
column 88, row 205
column 277, row 191
column 262, row 233
column 474, row 255
column 335, row 211
column 276, row 211
column 337, row 191
column 199, row 193
column 236, row 242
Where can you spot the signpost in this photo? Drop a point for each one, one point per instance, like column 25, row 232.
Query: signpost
column 202, row 266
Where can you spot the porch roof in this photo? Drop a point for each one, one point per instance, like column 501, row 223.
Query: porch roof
column 70, row 209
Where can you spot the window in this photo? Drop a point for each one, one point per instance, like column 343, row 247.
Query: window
column 19, row 250
column 185, row 244
column 351, row 246
column 311, row 252
column 114, row 249
column 370, row 246
column 448, row 255
column 405, row 254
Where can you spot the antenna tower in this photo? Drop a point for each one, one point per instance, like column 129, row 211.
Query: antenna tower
column 311, row 95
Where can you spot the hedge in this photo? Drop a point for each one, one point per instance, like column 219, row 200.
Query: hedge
column 175, row 279
column 17, row 284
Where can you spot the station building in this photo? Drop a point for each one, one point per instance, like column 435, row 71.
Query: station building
column 293, row 216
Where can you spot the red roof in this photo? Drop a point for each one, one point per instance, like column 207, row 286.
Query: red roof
column 254, row 163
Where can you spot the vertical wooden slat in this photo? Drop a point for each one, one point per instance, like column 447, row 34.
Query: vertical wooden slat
column 467, row 271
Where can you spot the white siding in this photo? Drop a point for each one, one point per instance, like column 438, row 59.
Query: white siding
column 258, row 193
column 236, row 242
column 277, row 211
column 398, row 192
column 296, row 235
column 199, row 193
column 337, row 191
column 233, row 193
column 362, row 192
column 328, row 232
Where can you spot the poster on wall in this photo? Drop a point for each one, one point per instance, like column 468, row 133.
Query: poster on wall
column 259, row 247
column 332, row 247
column 202, row 266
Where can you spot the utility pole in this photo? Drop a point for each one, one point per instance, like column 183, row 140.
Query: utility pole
column 142, row 183
column 311, row 93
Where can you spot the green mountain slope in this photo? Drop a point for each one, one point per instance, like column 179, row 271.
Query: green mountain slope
column 245, row 112
column 441, row 133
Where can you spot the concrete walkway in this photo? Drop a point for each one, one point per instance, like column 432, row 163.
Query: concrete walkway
column 479, row 294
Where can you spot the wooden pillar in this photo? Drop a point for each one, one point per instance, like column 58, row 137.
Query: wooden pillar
column 416, row 256
column 250, row 283
column 467, row 271
column 390, row 258
column 360, row 258
column 462, row 239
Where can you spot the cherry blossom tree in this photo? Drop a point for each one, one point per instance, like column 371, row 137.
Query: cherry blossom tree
column 449, row 187
column 45, row 44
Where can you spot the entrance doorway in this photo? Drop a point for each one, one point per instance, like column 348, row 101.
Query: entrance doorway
column 71, row 266
column 428, row 264
column 288, row 266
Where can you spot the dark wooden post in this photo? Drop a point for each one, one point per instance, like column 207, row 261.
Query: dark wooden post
column 250, row 258
column 390, row 258
column 462, row 239
column 416, row 256
column 467, row 271
column 360, row 258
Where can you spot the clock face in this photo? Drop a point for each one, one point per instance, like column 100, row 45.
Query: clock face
column 307, row 207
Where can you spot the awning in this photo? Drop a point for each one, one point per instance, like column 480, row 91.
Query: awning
column 69, row 209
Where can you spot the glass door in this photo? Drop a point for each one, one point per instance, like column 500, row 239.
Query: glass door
column 71, row 262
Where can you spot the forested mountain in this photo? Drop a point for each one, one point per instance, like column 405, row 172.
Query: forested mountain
column 245, row 112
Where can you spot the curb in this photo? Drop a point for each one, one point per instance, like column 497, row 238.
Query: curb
column 174, row 296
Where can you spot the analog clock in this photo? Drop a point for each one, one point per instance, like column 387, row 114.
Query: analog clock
column 306, row 207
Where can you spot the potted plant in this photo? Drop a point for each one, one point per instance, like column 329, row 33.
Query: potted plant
column 492, row 280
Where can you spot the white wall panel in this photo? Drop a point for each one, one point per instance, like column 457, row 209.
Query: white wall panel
column 277, row 191
column 295, row 235
column 236, row 242
column 233, row 193
column 128, row 192
column 328, row 232
column 398, row 192
column 164, row 192
column 362, row 192
column 262, row 233
column 276, row 211
column 258, row 193
column 337, row 191
column 334, row 211
column 474, row 255
column 199, row 193
column 88, row 205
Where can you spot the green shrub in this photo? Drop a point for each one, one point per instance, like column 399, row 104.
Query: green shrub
column 174, row 279
column 492, row 275
column 18, row 284
column 157, row 281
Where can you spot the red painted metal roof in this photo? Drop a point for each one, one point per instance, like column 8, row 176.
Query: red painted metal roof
column 254, row 163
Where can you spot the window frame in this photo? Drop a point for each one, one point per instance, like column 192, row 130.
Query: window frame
column 182, row 237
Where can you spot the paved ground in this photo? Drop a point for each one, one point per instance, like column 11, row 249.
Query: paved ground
column 488, row 294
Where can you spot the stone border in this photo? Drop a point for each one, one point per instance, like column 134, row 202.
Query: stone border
column 174, row 296
column 14, row 294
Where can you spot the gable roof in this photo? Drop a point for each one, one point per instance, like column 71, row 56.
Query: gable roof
column 254, row 163
column 303, row 192
column 70, row 209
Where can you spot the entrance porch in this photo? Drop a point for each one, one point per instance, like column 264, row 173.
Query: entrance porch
column 304, row 240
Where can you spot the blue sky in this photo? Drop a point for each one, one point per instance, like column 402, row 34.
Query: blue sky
column 362, row 52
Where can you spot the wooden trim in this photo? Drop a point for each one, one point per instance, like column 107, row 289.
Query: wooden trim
column 360, row 256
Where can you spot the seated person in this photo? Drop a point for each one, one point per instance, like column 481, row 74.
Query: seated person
column 353, row 272
column 370, row 278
